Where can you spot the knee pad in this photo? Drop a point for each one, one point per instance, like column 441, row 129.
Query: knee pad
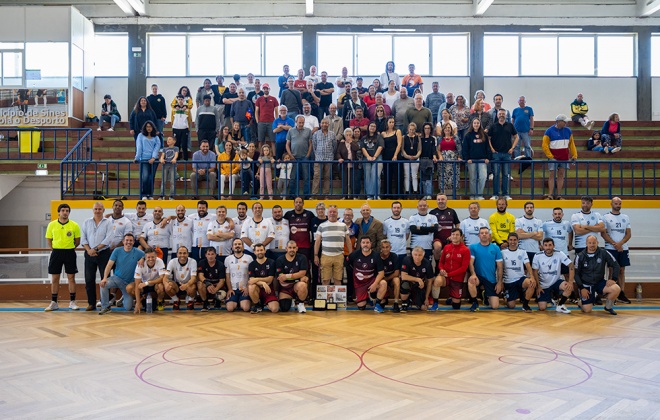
column 285, row 305
column 455, row 305
column 405, row 288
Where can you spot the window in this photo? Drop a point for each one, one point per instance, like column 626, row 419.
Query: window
column 373, row 51
column 538, row 56
column 500, row 55
column 576, row 55
column 655, row 56
column 51, row 59
column 450, row 55
column 167, row 55
column 12, row 68
column 77, row 67
column 411, row 50
column 243, row 54
column 111, row 55
column 333, row 53
column 205, row 55
column 616, row 56
column 275, row 60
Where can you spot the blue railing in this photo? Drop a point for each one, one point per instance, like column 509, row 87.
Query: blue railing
column 39, row 143
column 80, row 176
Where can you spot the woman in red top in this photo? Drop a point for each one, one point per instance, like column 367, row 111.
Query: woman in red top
column 449, row 148
column 611, row 134
column 370, row 97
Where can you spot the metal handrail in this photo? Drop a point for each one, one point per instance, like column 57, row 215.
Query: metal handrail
column 40, row 153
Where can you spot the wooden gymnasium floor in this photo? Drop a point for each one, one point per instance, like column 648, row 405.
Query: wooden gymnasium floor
column 490, row 364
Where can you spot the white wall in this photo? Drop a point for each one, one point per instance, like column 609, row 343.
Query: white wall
column 603, row 95
column 117, row 87
column 655, row 100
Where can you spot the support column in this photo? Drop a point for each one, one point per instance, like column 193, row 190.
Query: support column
column 644, row 88
column 476, row 61
column 308, row 49
column 137, row 66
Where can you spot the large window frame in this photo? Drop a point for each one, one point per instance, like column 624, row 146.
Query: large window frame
column 559, row 50
column 655, row 55
column 226, row 38
column 392, row 39
column 119, row 59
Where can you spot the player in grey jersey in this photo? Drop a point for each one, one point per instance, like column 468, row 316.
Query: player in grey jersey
column 548, row 275
column 617, row 234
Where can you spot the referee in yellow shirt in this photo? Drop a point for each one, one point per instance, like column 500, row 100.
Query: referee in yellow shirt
column 63, row 237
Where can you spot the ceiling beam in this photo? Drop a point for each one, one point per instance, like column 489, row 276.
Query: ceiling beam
column 133, row 7
column 646, row 8
column 480, row 6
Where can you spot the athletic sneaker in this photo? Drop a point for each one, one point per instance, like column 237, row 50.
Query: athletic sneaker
column 562, row 309
column 301, row 308
column 448, row 301
column 191, row 305
column 623, row 298
column 490, row 177
column 205, row 307
column 73, row 306
column 474, row 307
column 161, row 306
column 396, row 308
column 404, row 307
column 175, row 305
column 113, row 301
column 378, row 308
column 616, row 149
column 433, row 307
column 611, row 311
column 52, row 307
column 519, row 157
column 507, row 197
column 120, row 302
column 111, row 129
column 104, row 311
column 526, row 308
column 98, row 304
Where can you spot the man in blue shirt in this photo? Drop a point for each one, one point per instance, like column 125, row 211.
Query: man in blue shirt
column 124, row 260
column 204, row 168
column 523, row 121
column 281, row 81
column 486, row 268
column 281, row 127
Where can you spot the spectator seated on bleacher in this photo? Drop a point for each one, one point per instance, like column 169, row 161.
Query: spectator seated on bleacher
column 579, row 110
column 109, row 113
column 611, row 134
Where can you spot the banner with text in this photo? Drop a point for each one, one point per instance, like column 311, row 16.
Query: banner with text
column 34, row 107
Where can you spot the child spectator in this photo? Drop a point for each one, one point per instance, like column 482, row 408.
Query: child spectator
column 236, row 136
column 109, row 113
column 266, row 171
column 286, row 168
column 181, row 121
column 228, row 170
column 246, row 171
column 595, row 142
column 168, row 159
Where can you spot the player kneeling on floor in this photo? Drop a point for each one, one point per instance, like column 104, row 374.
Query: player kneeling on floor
column 368, row 276
column 261, row 273
column 148, row 279
column 452, row 267
column 415, row 272
column 182, row 279
column 211, row 277
column 547, row 268
column 518, row 280
column 392, row 276
column 291, row 269
column 590, row 266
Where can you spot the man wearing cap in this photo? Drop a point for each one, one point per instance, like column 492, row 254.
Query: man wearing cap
column 265, row 115
column 558, row 145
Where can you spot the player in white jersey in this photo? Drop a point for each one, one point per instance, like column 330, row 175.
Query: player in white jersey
column 530, row 231
column 237, row 278
column 471, row 225
column 518, row 281
column 277, row 247
column 200, row 221
column 256, row 230
column 559, row 230
column 241, row 209
column 547, row 274
column 140, row 218
column 617, row 234
column 120, row 224
column 397, row 231
column 148, row 279
column 182, row 277
column 220, row 233
column 586, row 222
column 154, row 236
column 182, row 230
column 422, row 228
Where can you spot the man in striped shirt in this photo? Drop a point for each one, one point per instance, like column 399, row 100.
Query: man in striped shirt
column 330, row 239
